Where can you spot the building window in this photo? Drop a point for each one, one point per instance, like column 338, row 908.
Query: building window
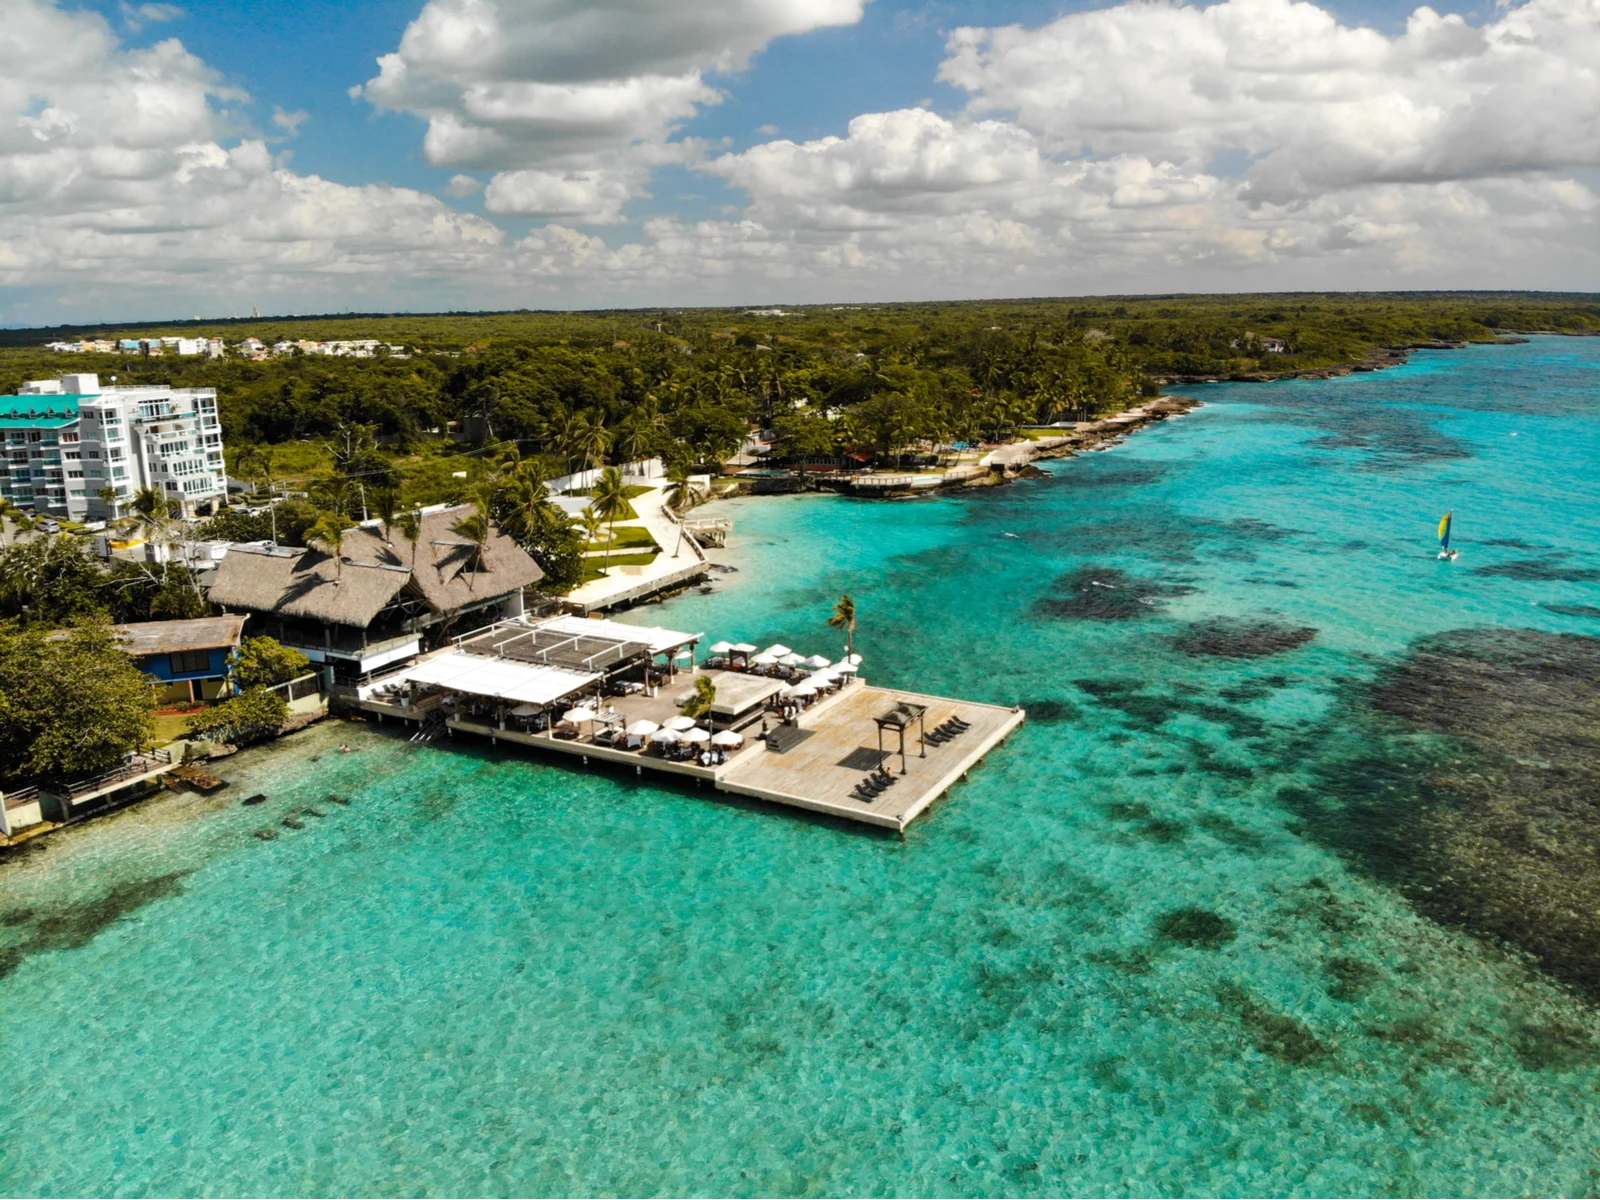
column 189, row 662
column 34, row 435
column 74, row 474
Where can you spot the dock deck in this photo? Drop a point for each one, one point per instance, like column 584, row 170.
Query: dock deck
column 838, row 747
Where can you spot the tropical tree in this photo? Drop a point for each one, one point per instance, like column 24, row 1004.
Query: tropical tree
column 844, row 617
column 251, row 716
column 609, row 500
column 69, row 704
column 266, row 662
column 699, row 702
column 409, row 523
column 328, row 536
column 475, row 528
column 592, row 524
column 678, row 496
column 386, row 501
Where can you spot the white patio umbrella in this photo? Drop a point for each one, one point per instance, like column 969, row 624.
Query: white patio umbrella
column 723, row 647
column 665, row 737
column 845, row 668
column 525, row 710
column 580, row 714
column 816, row 661
column 765, row 660
column 804, row 689
column 777, row 650
column 678, row 724
column 642, row 728
column 696, row 736
column 742, row 648
column 823, row 677
column 727, row 738
column 792, row 660
column 853, row 659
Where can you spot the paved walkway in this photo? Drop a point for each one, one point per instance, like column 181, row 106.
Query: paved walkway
column 651, row 507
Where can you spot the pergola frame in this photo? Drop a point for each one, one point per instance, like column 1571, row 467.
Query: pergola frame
column 900, row 718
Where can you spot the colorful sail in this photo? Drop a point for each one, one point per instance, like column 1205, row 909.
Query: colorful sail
column 1444, row 531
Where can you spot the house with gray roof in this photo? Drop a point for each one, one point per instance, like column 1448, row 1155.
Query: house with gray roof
column 382, row 601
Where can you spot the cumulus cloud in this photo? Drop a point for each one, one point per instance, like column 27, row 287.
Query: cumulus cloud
column 574, row 99
column 1140, row 147
column 1314, row 103
column 114, row 175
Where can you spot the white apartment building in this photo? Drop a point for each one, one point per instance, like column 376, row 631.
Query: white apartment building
column 68, row 439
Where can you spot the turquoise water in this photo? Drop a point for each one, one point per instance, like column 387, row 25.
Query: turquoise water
column 491, row 975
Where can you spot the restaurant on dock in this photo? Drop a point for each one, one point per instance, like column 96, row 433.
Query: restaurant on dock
column 774, row 725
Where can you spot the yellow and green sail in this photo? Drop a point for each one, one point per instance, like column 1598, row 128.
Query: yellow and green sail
column 1444, row 531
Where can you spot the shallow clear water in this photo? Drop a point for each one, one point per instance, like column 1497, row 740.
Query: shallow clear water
column 489, row 974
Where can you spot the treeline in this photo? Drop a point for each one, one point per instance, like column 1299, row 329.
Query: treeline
column 880, row 375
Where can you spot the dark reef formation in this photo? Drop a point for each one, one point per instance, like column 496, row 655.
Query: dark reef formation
column 1497, row 829
column 1108, row 594
column 1241, row 639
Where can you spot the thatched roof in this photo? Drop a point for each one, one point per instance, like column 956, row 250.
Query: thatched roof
column 309, row 583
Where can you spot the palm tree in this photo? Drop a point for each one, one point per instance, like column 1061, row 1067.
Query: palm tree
column 475, row 528
column 409, row 524
column 592, row 523
column 701, row 699
column 678, row 496
column 386, row 502
column 255, row 463
column 844, row 617
column 8, row 511
column 327, row 535
column 609, row 501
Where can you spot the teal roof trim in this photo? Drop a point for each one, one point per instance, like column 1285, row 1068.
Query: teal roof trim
column 40, row 410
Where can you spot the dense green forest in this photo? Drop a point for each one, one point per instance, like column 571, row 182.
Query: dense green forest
column 582, row 387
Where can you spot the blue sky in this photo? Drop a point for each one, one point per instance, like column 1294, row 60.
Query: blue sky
column 1112, row 147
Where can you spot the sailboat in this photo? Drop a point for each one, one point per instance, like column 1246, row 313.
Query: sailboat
column 1444, row 538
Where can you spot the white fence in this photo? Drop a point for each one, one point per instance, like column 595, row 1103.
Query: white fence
column 647, row 471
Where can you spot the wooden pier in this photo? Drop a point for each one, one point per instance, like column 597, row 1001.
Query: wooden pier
column 839, row 745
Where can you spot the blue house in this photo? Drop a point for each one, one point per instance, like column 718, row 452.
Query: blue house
column 188, row 659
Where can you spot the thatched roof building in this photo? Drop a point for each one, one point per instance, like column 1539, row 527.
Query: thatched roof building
column 440, row 575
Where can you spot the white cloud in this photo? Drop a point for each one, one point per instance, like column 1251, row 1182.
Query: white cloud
column 114, row 176
column 576, row 99
column 1443, row 156
column 1316, row 103
column 137, row 16
column 290, row 122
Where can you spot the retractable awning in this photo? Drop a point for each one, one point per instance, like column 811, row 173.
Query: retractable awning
column 503, row 679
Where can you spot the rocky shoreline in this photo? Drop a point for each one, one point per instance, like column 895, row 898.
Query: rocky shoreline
column 1379, row 360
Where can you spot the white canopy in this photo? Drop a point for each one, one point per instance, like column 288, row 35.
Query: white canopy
column 777, row 650
column 743, row 648
column 526, row 710
column 727, row 738
column 792, row 660
column 696, row 735
column 765, row 660
column 504, row 679
column 824, row 676
column 679, row 723
column 852, row 659
column 665, row 737
column 642, row 728
column 722, row 647
column 816, row 660
column 804, row 689
column 577, row 715
column 845, row 668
